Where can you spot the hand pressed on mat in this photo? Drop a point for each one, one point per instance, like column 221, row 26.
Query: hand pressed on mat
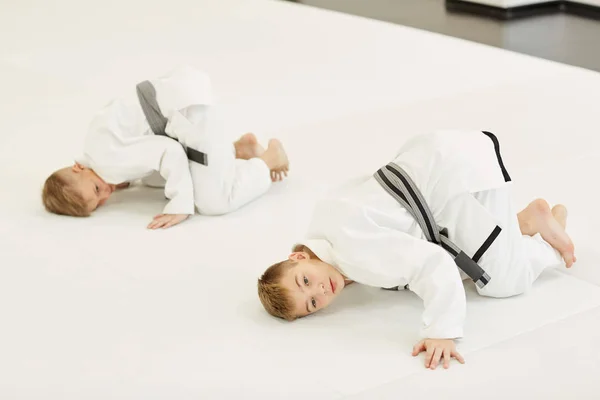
column 436, row 349
column 167, row 220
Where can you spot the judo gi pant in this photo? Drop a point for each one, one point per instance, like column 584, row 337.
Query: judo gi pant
column 225, row 184
column 514, row 261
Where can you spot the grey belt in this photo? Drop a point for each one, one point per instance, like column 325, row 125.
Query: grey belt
column 400, row 186
column 158, row 122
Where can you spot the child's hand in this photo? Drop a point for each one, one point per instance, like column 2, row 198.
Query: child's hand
column 436, row 349
column 167, row 220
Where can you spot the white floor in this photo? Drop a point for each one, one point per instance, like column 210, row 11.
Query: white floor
column 101, row 308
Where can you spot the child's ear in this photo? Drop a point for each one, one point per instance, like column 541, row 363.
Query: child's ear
column 78, row 167
column 299, row 255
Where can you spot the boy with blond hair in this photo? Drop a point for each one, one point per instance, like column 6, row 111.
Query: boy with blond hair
column 439, row 213
column 167, row 136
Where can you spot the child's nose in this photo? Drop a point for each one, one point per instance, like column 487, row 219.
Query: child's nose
column 318, row 290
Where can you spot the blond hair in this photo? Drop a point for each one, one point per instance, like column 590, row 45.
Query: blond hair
column 274, row 297
column 59, row 197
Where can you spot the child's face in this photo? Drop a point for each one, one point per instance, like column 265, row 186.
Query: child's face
column 91, row 187
column 312, row 284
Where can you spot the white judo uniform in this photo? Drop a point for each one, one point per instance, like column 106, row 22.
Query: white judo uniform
column 370, row 238
column 121, row 147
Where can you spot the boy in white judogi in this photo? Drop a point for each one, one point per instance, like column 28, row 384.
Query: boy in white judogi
column 168, row 136
column 443, row 202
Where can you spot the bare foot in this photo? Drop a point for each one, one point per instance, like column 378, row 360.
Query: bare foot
column 560, row 214
column 247, row 147
column 276, row 159
column 538, row 218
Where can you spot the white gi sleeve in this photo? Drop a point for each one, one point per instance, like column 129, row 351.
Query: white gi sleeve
column 168, row 157
column 385, row 257
column 174, row 168
column 437, row 281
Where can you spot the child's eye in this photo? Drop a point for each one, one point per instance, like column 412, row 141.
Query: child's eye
column 306, row 281
column 314, row 303
column 96, row 188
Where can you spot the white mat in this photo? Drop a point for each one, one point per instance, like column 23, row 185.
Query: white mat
column 101, row 308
